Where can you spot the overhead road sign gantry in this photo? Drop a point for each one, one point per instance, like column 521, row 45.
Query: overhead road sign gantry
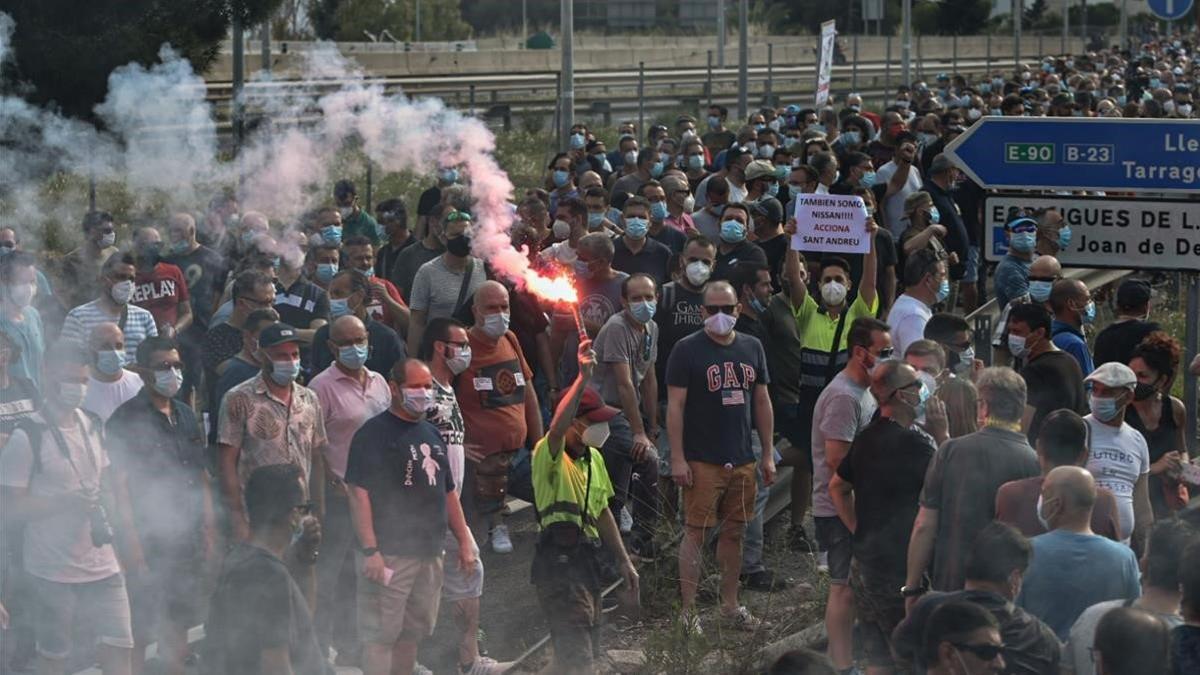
column 1081, row 153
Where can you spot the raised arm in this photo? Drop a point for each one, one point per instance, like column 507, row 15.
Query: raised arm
column 564, row 416
column 866, row 285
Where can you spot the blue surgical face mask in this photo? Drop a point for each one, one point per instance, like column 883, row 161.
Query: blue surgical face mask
column 110, row 361
column 714, row 122
column 339, row 307
column 582, row 270
column 772, row 189
column 1155, row 83
column 284, row 372
column 1040, row 290
column 943, row 291
column 732, row 231
column 561, row 177
column 637, row 227
column 1104, row 409
column 448, row 175
column 657, row 169
column 353, row 356
column 595, row 220
column 578, row 141
column 1088, row 316
column 325, row 272
column 643, row 311
column 1064, row 237
column 757, row 305
column 177, row 247
column 332, row 234
column 867, row 180
column 1023, row 242
column 658, row 210
column 935, row 216
column 695, row 162
column 852, row 137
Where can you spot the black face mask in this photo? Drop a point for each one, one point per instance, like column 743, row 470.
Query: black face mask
column 459, row 246
column 1143, row 391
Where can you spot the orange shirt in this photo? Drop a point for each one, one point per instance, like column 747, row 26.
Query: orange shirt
column 491, row 394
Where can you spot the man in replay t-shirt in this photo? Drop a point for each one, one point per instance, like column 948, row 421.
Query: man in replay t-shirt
column 717, row 380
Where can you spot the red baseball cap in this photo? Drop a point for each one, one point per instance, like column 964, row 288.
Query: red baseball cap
column 591, row 406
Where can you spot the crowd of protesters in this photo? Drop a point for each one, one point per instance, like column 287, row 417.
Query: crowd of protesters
column 299, row 434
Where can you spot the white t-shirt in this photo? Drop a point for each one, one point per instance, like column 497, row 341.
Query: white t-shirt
column 907, row 318
column 893, row 207
column 59, row 548
column 103, row 398
column 1118, row 457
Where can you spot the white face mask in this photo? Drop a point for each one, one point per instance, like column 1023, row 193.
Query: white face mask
column 689, row 204
column 833, row 293
column 1041, row 519
column 108, row 240
column 346, row 211
column 167, row 382
column 122, row 291
column 697, row 273
column 72, row 394
column 496, row 325
column 460, row 361
column 596, row 435
column 562, row 229
column 720, row 324
column 22, row 294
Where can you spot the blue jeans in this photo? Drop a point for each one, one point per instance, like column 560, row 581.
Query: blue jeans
column 752, row 544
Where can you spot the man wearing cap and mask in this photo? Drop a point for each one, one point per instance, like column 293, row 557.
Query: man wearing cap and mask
column 1119, row 338
column 402, row 501
column 355, row 221
column 761, row 181
column 571, row 491
column 1120, row 457
column 717, row 380
column 1012, row 273
column 113, row 306
column 350, row 394
column 767, row 214
column 270, row 419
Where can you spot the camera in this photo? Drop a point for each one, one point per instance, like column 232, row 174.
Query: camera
column 102, row 531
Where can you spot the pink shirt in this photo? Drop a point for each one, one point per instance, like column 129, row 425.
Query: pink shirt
column 346, row 405
column 683, row 223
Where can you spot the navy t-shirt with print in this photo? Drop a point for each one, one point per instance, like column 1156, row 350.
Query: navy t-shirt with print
column 404, row 467
column 720, row 379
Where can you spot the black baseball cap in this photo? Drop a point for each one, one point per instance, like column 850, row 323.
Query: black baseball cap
column 1133, row 293
column 277, row 334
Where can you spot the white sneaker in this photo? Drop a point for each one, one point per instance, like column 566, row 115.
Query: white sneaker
column 486, row 666
column 419, row 669
column 742, row 619
column 501, row 543
column 626, row 520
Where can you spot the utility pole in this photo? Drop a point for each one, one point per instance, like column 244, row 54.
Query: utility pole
column 566, row 116
column 1066, row 26
column 266, row 46
column 524, row 23
column 417, row 28
column 239, row 80
column 720, row 33
column 1125, row 24
column 906, row 42
column 1017, row 12
column 743, row 58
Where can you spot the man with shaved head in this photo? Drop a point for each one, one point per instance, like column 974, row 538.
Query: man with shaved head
column 1044, row 271
column 500, row 411
column 1072, row 567
column 158, row 286
column 1073, row 309
column 350, row 394
column 109, row 383
column 204, row 272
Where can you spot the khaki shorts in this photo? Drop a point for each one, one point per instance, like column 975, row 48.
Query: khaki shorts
column 407, row 607
column 573, row 612
column 457, row 584
column 719, row 494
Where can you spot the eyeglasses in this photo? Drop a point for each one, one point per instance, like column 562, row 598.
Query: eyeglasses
column 985, row 652
column 723, row 309
column 305, row 508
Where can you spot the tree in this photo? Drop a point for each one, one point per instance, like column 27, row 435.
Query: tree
column 65, row 49
column 1034, row 12
column 347, row 19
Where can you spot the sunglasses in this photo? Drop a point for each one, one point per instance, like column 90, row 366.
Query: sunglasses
column 986, row 652
column 305, row 509
column 886, row 353
column 723, row 309
column 458, row 215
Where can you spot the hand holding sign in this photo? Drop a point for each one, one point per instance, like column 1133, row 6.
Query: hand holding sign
column 832, row 224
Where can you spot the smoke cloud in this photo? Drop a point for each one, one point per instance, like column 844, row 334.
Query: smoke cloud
column 160, row 138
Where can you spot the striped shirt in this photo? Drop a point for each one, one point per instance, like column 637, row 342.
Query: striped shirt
column 139, row 325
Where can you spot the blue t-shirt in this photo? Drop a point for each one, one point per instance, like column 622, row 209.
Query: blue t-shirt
column 718, row 417
column 1012, row 279
column 27, row 334
column 1070, row 340
column 1071, row 572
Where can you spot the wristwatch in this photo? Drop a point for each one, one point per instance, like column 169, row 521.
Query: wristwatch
column 913, row 591
column 369, row 551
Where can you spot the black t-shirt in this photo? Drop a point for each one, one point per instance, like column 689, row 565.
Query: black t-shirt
column 385, row 348
column 386, row 256
column 720, row 381
column 221, row 342
column 404, row 467
column 1118, row 340
column 652, row 259
column 428, row 201
column 204, row 270
column 969, row 196
column 672, row 238
column 301, row 303
column 18, row 401
column 775, row 249
column 956, row 233
column 886, row 464
column 256, row 606
column 404, row 270
column 679, row 315
column 1053, row 380
column 745, row 251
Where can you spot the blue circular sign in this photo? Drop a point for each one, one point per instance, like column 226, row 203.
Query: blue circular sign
column 1170, row 10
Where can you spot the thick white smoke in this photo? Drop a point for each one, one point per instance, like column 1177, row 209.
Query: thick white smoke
column 160, row 139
